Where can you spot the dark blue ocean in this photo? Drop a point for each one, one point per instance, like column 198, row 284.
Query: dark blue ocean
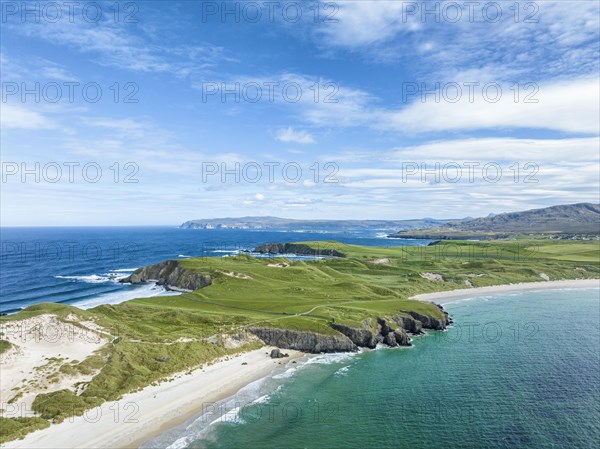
column 81, row 266
column 515, row 371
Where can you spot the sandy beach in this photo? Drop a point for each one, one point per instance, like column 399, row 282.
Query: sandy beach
column 524, row 286
column 140, row 416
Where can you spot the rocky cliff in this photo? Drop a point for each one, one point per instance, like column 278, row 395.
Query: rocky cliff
column 303, row 340
column 297, row 248
column 392, row 332
column 171, row 275
column 430, row 322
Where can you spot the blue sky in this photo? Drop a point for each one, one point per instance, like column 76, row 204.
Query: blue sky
column 369, row 146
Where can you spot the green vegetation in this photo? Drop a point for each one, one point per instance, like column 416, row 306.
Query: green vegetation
column 151, row 339
column 61, row 404
column 16, row 428
column 4, row 346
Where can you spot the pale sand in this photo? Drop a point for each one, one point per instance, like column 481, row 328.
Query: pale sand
column 524, row 286
column 40, row 345
column 138, row 417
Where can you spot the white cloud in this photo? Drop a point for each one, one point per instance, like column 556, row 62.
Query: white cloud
column 20, row 117
column 292, row 136
column 550, row 37
column 117, row 45
column 541, row 151
column 259, row 197
column 33, row 68
column 567, row 106
column 362, row 23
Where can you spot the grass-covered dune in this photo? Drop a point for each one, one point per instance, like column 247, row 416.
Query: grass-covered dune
column 338, row 303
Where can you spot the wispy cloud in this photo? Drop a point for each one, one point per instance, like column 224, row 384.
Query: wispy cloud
column 570, row 106
column 21, row 117
column 292, row 136
column 542, row 39
column 125, row 46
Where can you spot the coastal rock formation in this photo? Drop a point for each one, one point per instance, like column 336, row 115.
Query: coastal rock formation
column 277, row 354
column 363, row 338
column 296, row 248
column 303, row 340
column 390, row 336
column 171, row 275
column 392, row 332
column 409, row 324
column 430, row 322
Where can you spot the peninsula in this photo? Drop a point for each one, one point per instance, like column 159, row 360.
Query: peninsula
column 349, row 297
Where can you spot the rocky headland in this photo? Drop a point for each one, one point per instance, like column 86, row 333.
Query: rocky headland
column 393, row 331
column 171, row 275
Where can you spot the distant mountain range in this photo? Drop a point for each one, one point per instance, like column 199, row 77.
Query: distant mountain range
column 581, row 218
column 291, row 224
column 569, row 219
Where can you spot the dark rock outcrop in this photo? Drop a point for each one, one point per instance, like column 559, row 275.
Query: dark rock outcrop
column 391, row 336
column 409, row 324
column 171, row 275
column 363, row 338
column 303, row 340
column 299, row 249
column 430, row 322
column 394, row 331
column 277, row 354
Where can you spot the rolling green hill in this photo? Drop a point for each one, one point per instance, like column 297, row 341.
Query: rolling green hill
column 331, row 304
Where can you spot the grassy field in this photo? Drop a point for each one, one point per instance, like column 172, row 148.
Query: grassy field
column 369, row 282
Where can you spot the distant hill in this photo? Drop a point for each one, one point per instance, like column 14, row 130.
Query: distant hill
column 291, row 224
column 568, row 219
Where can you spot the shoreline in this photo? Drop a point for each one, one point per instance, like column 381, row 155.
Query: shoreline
column 143, row 415
column 507, row 288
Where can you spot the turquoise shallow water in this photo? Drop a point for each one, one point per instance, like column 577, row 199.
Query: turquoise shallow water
column 516, row 371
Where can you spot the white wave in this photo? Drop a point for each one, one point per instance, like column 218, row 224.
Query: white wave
column 226, row 251
column 262, row 400
column 181, row 443
column 92, row 278
column 343, row 371
column 201, row 426
column 232, row 416
column 143, row 291
column 184, row 256
column 325, row 359
column 288, row 373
